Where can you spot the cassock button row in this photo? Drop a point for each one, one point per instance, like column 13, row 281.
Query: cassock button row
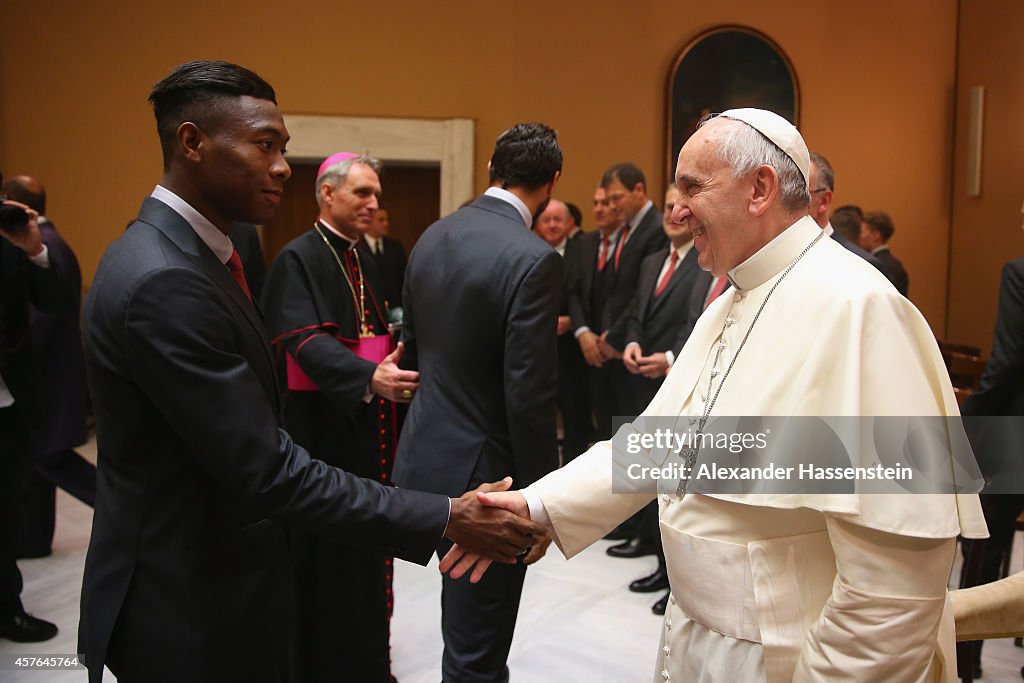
column 667, row 650
column 664, row 674
column 672, row 598
column 692, row 420
column 729, row 322
column 737, row 297
column 666, row 499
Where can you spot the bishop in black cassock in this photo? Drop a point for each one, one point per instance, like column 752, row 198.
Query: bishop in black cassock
column 322, row 295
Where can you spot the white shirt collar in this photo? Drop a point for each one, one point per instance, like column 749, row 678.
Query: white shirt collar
column 635, row 221
column 515, row 201
column 880, row 247
column 351, row 242
column 372, row 242
column 828, row 229
column 219, row 243
column 560, row 247
column 772, row 258
column 683, row 250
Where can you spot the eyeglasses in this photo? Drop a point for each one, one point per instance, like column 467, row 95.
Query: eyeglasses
column 820, row 189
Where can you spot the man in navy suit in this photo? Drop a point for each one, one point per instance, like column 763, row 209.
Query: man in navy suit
column 187, row 577
column 481, row 309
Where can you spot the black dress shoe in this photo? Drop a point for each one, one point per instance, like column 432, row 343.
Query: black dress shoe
column 634, row 547
column 649, row 584
column 25, row 628
column 660, row 606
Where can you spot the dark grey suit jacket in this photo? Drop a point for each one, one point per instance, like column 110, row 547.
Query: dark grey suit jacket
column 186, row 554
column 655, row 322
column 648, row 238
column 895, row 270
column 481, row 307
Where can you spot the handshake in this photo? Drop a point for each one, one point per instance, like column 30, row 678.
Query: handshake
column 491, row 524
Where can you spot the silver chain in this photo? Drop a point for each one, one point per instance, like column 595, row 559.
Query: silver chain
column 689, row 454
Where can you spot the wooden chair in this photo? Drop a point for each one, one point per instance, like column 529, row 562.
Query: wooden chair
column 947, row 348
column 965, row 374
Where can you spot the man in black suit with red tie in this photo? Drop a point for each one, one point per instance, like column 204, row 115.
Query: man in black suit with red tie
column 638, row 236
column 481, row 309
column 187, row 577
column 653, row 338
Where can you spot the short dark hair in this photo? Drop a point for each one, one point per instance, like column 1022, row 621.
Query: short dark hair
column 199, row 91
column 574, row 211
column 880, row 221
column 526, row 155
column 828, row 176
column 847, row 223
column 853, row 208
column 626, row 173
column 20, row 193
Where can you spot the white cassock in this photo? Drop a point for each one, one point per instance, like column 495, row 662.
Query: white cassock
column 794, row 587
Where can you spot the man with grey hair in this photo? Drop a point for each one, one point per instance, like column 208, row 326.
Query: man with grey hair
column 782, row 585
column 326, row 314
column 822, row 182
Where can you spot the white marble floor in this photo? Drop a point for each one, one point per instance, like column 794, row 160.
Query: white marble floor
column 577, row 620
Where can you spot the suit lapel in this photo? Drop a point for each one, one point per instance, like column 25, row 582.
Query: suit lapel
column 177, row 230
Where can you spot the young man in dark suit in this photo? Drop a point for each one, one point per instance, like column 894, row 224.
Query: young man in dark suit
column 876, row 229
column 481, row 307
column 389, row 255
column 187, row 576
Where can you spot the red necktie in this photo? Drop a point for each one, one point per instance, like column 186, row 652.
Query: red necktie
column 668, row 273
column 234, row 265
column 622, row 241
column 601, row 262
column 719, row 287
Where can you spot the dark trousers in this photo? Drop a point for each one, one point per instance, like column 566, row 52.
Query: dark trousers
column 477, row 623
column 612, row 395
column 14, row 456
column 66, row 469
column 574, row 398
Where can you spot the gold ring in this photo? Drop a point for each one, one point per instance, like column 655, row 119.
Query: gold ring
column 406, row 392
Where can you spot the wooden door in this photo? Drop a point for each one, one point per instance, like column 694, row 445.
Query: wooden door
column 411, row 194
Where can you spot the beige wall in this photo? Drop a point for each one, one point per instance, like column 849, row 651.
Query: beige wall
column 876, row 79
column 986, row 229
